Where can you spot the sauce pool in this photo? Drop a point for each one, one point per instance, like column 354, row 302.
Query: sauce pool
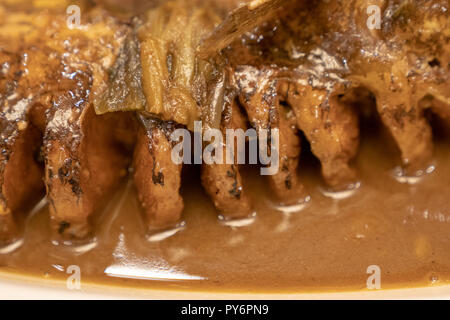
column 401, row 226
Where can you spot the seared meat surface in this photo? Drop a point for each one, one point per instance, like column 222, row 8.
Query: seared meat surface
column 223, row 182
column 323, row 50
column 157, row 177
column 78, row 105
column 50, row 76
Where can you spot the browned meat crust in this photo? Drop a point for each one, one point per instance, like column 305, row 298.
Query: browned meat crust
column 20, row 174
column 286, row 183
column 296, row 72
column 259, row 95
column 223, row 182
column 323, row 59
column 157, row 177
column 332, row 129
column 51, row 86
column 81, row 173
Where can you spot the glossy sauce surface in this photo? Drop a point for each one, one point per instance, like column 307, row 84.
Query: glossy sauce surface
column 328, row 245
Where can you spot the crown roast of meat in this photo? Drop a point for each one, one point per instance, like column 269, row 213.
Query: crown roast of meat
column 80, row 106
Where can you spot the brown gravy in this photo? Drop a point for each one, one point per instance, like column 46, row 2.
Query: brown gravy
column 402, row 228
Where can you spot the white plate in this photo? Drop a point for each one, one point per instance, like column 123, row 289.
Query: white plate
column 12, row 287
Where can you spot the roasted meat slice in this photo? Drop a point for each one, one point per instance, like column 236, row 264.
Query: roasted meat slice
column 320, row 61
column 49, row 92
column 223, row 181
column 21, row 182
column 85, row 161
column 89, row 92
column 259, row 96
column 286, row 183
column 21, row 167
column 400, row 63
column 20, row 173
column 85, row 155
column 332, row 129
column 157, row 176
